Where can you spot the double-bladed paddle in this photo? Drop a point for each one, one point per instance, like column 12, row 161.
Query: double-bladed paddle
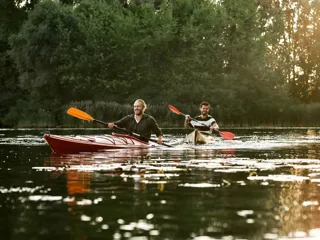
column 225, row 135
column 85, row 116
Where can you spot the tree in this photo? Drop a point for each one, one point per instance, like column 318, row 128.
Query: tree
column 38, row 50
column 12, row 15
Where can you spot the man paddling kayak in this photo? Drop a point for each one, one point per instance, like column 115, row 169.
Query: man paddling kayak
column 224, row 135
column 203, row 122
column 139, row 122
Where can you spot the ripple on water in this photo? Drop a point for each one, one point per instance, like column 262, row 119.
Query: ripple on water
column 24, row 140
column 4, row 190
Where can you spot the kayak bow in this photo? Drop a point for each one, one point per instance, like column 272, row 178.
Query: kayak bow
column 67, row 144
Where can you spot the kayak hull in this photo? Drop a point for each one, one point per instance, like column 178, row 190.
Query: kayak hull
column 197, row 137
column 65, row 144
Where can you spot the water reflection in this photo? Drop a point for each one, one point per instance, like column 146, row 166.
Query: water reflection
column 263, row 185
column 299, row 209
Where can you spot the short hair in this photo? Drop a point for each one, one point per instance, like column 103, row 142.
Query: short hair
column 204, row 104
column 143, row 103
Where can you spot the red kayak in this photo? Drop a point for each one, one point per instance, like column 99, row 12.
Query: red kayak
column 64, row 144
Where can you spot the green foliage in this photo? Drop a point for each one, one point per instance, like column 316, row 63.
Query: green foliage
column 38, row 50
column 11, row 19
column 29, row 114
column 241, row 56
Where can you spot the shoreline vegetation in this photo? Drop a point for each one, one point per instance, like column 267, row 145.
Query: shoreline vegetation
column 288, row 117
column 255, row 62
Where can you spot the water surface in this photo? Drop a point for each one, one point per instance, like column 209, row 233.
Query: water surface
column 262, row 185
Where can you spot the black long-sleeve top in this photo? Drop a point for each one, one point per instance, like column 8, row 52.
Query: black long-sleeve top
column 145, row 127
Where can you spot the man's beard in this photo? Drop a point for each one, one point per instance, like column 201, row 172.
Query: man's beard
column 138, row 113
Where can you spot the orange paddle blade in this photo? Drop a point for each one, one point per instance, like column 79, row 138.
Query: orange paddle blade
column 173, row 109
column 79, row 114
column 227, row 135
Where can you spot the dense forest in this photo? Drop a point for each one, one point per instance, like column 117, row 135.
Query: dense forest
column 256, row 61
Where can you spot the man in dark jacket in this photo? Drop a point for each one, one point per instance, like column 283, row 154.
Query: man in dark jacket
column 139, row 122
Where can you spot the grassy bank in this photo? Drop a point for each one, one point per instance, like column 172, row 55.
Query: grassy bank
column 300, row 115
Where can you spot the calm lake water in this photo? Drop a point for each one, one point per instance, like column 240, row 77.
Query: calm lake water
column 265, row 184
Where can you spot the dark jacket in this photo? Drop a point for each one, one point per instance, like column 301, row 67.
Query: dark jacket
column 145, row 127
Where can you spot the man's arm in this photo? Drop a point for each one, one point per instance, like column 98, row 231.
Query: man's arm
column 187, row 121
column 156, row 129
column 120, row 123
column 214, row 125
column 159, row 141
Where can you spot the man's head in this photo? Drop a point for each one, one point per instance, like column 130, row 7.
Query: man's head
column 204, row 108
column 139, row 107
